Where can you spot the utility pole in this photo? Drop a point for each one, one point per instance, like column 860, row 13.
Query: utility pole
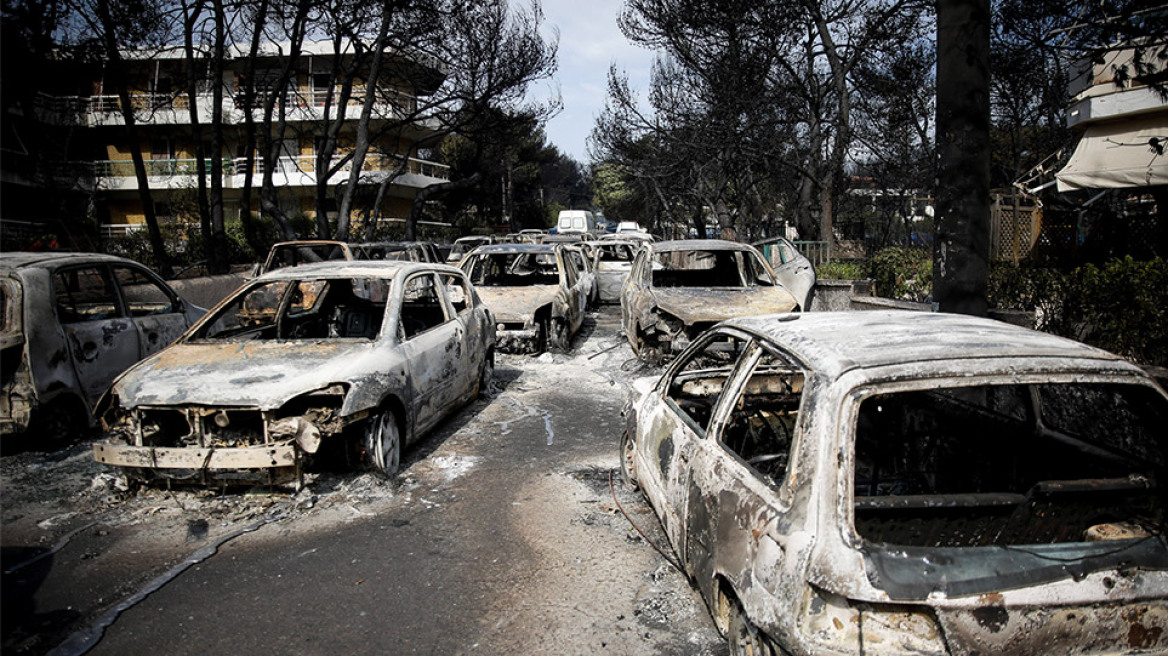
column 961, row 245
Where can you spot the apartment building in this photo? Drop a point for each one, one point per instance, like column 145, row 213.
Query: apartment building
column 98, row 159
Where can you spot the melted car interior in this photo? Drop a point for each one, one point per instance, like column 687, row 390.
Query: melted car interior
column 303, row 310
column 1010, row 465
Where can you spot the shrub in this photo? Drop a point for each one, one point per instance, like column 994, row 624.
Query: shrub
column 1120, row 306
column 842, row 270
column 902, row 273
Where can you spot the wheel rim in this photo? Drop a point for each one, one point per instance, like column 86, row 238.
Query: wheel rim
column 628, row 467
column 383, row 444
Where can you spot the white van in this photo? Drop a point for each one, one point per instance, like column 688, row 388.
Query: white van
column 576, row 221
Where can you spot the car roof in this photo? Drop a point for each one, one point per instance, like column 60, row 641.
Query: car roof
column 835, row 342
column 516, row 248
column 700, row 245
column 53, row 259
column 355, row 268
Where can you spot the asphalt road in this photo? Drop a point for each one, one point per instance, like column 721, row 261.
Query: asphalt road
column 500, row 536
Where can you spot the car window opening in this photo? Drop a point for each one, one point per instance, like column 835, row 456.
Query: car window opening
column 515, row 270
column 697, row 269
column 699, row 382
column 1010, row 465
column 761, row 427
column 303, row 310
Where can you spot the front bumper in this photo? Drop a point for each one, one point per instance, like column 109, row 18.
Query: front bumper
column 265, row 456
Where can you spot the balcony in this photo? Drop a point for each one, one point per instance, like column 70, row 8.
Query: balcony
column 288, row 172
column 174, row 109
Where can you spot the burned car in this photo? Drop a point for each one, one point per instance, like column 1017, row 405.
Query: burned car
column 677, row 289
column 535, row 293
column 303, row 251
column 356, row 357
column 612, row 259
column 837, row 483
column 71, row 323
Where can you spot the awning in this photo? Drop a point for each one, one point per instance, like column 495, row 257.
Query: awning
column 1119, row 154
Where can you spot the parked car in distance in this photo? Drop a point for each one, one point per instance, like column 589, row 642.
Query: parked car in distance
column 403, row 251
column 357, row 357
column 896, row 482
column 302, row 251
column 71, row 323
column 534, row 292
column 464, row 245
column 628, row 226
column 612, row 259
column 677, row 289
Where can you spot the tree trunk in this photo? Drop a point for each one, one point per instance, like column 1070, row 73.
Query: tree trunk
column 161, row 257
column 962, row 243
column 220, row 259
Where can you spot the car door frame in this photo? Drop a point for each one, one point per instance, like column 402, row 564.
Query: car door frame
column 88, row 341
column 796, row 274
column 427, row 404
column 672, row 487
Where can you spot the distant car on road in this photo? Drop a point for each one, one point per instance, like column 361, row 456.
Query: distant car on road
column 535, row 292
column 677, row 289
column 909, row 483
column 356, row 357
column 71, row 323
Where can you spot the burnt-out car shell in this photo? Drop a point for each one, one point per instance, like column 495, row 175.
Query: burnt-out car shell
column 612, row 260
column 71, row 323
column 535, row 293
column 369, row 353
column 677, row 289
column 887, row 483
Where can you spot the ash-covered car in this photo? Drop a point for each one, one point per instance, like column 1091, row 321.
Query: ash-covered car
column 890, row 483
column 535, row 293
column 357, row 357
column 612, row 260
column 677, row 289
column 71, row 323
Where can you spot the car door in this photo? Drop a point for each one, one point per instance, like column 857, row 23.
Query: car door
column 739, row 506
column 471, row 345
column 795, row 272
column 432, row 344
column 157, row 312
column 674, row 428
column 103, row 341
column 575, row 297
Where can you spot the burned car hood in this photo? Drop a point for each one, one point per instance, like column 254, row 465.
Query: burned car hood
column 259, row 374
column 708, row 304
column 511, row 304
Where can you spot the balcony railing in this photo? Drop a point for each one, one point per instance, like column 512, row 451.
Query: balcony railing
column 305, row 164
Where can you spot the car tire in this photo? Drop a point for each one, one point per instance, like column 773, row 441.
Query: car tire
column 383, row 443
column 56, row 424
column 744, row 637
column 558, row 336
column 628, row 465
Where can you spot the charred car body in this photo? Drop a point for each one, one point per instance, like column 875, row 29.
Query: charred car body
column 834, row 484
column 365, row 354
column 677, row 289
column 535, row 293
column 71, row 323
column 612, row 259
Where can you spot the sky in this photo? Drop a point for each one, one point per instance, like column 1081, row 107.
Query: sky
column 590, row 42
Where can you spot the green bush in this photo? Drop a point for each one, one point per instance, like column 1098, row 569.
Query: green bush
column 1120, row 306
column 902, row 273
column 842, row 270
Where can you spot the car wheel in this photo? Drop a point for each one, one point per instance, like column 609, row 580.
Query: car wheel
column 56, row 424
column 559, row 338
column 628, row 466
column 744, row 637
column 383, row 443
